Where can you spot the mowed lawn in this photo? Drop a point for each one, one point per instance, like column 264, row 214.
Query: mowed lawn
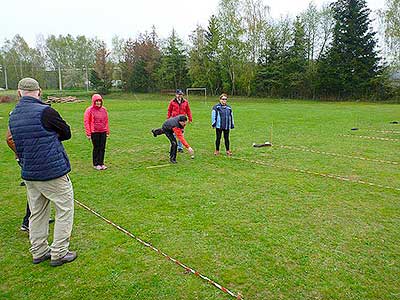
column 256, row 225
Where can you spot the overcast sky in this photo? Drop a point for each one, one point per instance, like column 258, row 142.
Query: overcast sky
column 125, row 18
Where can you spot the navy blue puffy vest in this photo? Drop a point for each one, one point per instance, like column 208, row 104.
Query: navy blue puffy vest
column 42, row 156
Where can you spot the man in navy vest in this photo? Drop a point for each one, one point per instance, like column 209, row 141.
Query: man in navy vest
column 37, row 131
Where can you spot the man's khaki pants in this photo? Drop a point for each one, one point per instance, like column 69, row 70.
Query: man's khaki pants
column 40, row 193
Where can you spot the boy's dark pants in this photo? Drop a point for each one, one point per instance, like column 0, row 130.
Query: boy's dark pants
column 218, row 138
column 99, row 147
column 174, row 144
column 170, row 135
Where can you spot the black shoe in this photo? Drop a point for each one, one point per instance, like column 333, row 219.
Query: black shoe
column 173, row 161
column 42, row 259
column 180, row 150
column 154, row 133
column 24, row 228
column 69, row 257
column 22, row 183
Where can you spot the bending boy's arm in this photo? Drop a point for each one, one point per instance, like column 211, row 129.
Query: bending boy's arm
column 179, row 135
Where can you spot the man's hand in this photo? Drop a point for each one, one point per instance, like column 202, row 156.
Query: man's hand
column 191, row 151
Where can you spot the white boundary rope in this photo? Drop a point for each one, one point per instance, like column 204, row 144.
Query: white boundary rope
column 337, row 154
column 370, row 137
column 382, row 131
column 187, row 269
column 338, row 177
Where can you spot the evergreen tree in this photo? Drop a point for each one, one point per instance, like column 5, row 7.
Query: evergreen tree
column 204, row 60
column 198, row 58
column 139, row 77
column 269, row 73
column 295, row 63
column 350, row 66
column 127, row 64
column 173, row 72
column 213, row 63
column 140, row 62
column 282, row 65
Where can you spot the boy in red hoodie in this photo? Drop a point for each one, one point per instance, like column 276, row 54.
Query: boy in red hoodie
column 97, row 130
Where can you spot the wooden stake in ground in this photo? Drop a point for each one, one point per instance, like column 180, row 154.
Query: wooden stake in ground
column 271, row 132
column 356, row 128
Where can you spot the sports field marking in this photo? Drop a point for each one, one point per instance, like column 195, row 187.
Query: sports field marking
column 338, row 155
column 338, row 177
column 382, row 131
column 144, row 243
column 370, row 137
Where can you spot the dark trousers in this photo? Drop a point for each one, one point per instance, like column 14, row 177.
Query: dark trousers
column 174, row 144
column 218, row 138
column 99, row 147
column 25, row 221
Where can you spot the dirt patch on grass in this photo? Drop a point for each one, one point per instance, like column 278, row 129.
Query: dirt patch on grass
column 7, row 99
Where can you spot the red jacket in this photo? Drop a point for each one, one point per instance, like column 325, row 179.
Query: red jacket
column 179, row 135
column 96, row 119
column 175, row 109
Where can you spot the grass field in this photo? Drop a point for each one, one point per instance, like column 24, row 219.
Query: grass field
column 256, row 225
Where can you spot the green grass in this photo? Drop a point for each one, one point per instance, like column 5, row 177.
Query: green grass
column 268, row 233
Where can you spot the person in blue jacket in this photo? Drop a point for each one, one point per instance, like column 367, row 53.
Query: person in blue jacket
column 222, row 121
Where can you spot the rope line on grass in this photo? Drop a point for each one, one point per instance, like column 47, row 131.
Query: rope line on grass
column 382, row 131
column 370, row 137
column 187, row 269
column 338, row 155
column 338, row 177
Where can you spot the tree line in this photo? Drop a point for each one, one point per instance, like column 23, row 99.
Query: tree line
column 323, row 53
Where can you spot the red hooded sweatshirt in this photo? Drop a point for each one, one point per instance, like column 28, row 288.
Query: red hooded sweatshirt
column 96, row 118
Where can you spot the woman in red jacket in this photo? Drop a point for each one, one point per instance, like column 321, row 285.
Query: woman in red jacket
column 97, row 130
